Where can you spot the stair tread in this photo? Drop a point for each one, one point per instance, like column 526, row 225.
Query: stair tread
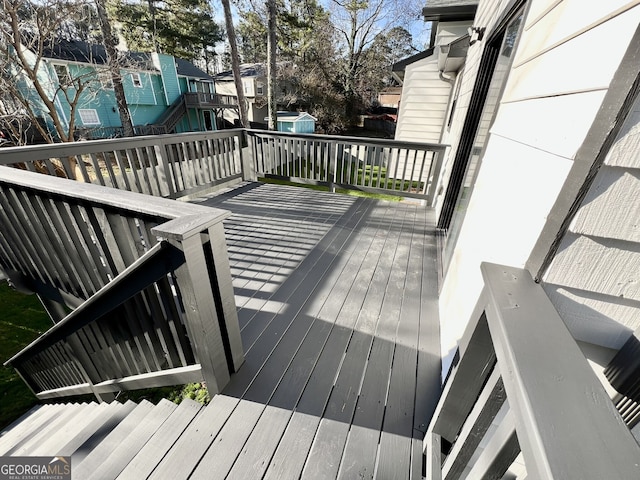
column 156, row 448
column 10, row 434
column 57, row 417
column 131, row 445
column 51, row 445
column 101, row 452
column 87, row 446
column 99, row 421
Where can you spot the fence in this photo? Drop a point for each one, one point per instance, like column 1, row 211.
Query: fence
column 520, row 369
column 374, row 165
column 169, row 166
column 146, row 281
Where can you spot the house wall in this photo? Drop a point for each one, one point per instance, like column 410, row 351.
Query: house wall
column 166, row 64
column 423, row 103
column 556, row 85
column 143, row 95
column 593, row 280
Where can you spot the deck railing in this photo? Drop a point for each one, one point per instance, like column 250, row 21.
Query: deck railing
column 139, row 287
column 213, row 100
column 520, row 369
column 169, row 166
column 375, row 165
column 130, row 279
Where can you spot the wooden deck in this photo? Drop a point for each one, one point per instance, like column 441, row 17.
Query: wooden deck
column 338, row 311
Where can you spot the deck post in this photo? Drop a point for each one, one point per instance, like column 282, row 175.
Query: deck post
column 245, row 157
column 433, row 451
column 204, row 282
column 333, row 166
column 432, row 191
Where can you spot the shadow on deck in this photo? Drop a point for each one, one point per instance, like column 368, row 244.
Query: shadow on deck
column 338, row 312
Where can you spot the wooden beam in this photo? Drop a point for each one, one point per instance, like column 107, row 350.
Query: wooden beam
column 478, row 422
column 433, row 450
column 568, row 427
column 461, row 391
column 499, row 453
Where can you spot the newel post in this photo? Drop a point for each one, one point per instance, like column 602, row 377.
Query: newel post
column 246, row 156
column 204, row 284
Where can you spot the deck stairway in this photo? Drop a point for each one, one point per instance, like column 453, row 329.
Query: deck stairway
column 112, row 440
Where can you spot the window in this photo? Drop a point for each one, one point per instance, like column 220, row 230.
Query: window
column 260, row 89
column 89, row 116
column 136, row 80
column 62, row 71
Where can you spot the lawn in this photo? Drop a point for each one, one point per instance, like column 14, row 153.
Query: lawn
column 22, row 320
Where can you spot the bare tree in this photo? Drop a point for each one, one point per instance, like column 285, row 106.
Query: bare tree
column 114, row 69
column 235, row 62
column 34, row 91
column 359, row 23
column 271, row 65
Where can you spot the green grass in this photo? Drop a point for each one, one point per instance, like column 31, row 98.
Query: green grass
column 351, row 173
column 321, row 188
column 22, row 320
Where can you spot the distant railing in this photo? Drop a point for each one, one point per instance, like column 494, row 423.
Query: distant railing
column 375, row 165
column 204, row 99
column 520, row 369
column 99, row 133
column 139, row 287
column 169, row 166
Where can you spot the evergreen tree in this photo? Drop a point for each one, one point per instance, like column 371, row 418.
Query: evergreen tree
column 182, row 28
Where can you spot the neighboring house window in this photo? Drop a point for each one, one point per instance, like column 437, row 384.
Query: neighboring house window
column 260, row 89
column 137, row 81
column 62, row 71
column 89, row 116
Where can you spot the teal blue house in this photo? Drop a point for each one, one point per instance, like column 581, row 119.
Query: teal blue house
column 164, row 94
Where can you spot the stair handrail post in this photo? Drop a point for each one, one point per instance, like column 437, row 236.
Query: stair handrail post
column 204, row 282
column 246, row 156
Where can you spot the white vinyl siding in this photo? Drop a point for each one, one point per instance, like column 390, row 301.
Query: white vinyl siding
column 554, row 90
column 424, row 101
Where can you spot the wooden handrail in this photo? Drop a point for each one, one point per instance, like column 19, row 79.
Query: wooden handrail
column 158, row 261
column 563, row 420
column 42, row 217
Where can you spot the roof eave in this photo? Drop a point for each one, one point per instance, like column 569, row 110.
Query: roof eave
column 453, row 13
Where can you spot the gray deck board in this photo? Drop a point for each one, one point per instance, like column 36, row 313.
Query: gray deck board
column 326, row 452
column 337, row 323
column 360, row 451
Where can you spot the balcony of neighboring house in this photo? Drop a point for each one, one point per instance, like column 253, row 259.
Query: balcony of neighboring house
column 210, row 100
column 312, row 316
